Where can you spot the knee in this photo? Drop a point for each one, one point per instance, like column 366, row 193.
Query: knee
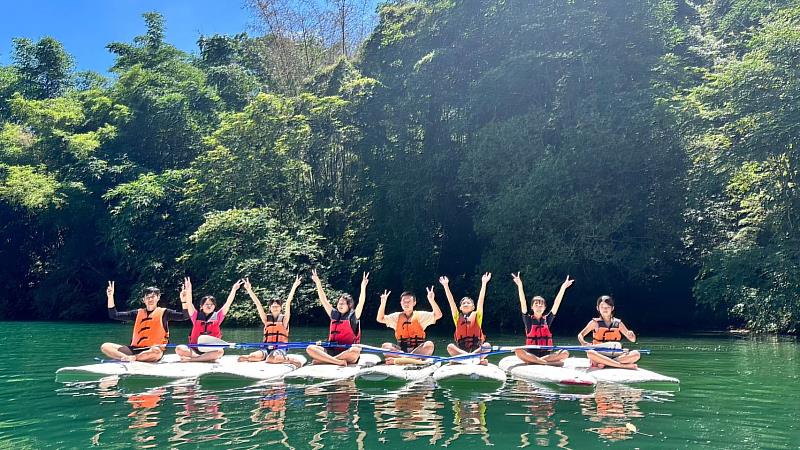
column 519, row 353
column 183, row 350
column 387, row 346
column 564, row 354
column 428, row 345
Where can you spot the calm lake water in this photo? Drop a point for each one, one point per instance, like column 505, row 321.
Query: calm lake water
column 734, row 393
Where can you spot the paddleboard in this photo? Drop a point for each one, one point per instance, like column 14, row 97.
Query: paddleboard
column 227, row 368
column 546, row 374
column 469, row 372
column 171, row 367
column 333, row 372
column 612, row 375
column 407, row 372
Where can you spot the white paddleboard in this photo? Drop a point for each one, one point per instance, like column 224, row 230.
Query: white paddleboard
column 469, row 372
column 333, row 372
column 612, row 375
column 169, row 367
column 546, row 374
column 253, row 370
column 408, row 372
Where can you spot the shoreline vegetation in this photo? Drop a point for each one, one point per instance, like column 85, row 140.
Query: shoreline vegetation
column 649, row 149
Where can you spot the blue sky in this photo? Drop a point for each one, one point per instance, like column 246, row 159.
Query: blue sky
column 85, row 27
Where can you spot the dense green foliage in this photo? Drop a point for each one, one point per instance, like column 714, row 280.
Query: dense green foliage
column 648, row 149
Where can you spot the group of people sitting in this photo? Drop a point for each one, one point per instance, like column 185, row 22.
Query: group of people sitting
column 151, row 330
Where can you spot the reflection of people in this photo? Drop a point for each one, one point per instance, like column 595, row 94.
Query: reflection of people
column 345, row 327
column 150, row 329
column 608, row 329
column 271, row 413
column 613, row 406
column 411, row 410
column 409, row 325
column 201, row 413
column 341, row 412
column 469, row 418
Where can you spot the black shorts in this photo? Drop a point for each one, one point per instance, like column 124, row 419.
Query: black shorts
column 538, row 352
column 335, row 351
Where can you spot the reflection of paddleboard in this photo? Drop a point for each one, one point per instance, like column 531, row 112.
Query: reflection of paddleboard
column 333, row 372
column 546, row 374
column 408, row 372
column 469, row 373
column 612, row 375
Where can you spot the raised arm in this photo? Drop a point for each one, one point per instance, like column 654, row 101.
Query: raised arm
column 110, row 295
column 445, row 282
column 287, row 313
column 523, row 304
column 362, row 296
column 560, row 296
column 437, row 312
column 482, row 296
column 249, row 288
column 323, row 299
column 186, row 297
column 586, row 330
column 382, row 308
column 626, row 332
column 231, row 296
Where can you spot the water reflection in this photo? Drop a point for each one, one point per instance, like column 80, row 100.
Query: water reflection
column 612, row 408
column 413, row 410
column 340, row 414
column 269, row 416
column 469, row 418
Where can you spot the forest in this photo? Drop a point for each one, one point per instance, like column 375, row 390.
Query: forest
column 649, row 149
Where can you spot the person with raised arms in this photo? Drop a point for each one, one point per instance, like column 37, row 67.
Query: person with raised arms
column 537, row 326
column 150, row 329
column 276, row 327
column 345, row 326
column 606, row 330
column 205, row 321
column 468, row 320
column 409, row 325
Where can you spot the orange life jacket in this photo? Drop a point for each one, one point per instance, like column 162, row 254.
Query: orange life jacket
column 469, row 335
column 409, row 332
column 148, row 330
column 274, row 331
column 604, row 333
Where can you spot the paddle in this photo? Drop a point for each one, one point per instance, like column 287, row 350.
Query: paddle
column 208, row 343
column 577, row 348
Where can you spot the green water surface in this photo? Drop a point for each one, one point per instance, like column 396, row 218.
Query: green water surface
column 734, row 393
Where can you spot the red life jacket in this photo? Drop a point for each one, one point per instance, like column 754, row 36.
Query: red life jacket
column 148, row 330
column 210, row 326
column 409, row 332
column 274, row 331
column 539, row 333
column 341, row 332
column 603, row 333
column 468, row 335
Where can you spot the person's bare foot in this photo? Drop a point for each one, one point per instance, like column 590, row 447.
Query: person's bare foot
column 128, row 358
column 483, row 362
column 186, row 358
column 388, row 360
column 556, row 364
column 243, row 358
